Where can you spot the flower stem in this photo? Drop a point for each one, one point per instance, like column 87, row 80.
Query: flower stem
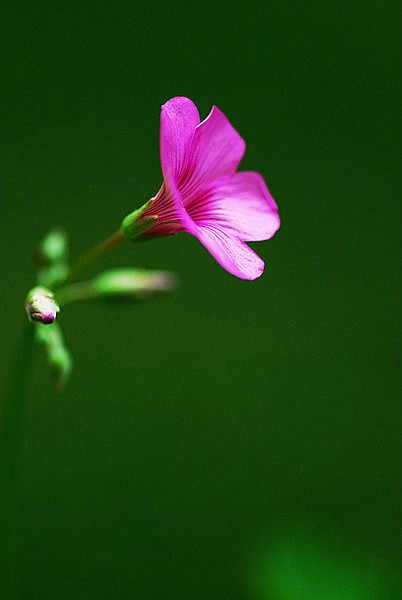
column 87, row 258
column 11, row 434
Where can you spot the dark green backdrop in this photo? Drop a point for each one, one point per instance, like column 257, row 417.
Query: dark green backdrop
column 236, row 440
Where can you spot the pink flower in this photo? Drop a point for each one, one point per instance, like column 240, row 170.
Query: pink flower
column 203, row 194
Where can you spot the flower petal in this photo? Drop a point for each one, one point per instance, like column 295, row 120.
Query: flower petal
column 240, row 204
column 179, row 118
column 231, row 253
column 216, row 149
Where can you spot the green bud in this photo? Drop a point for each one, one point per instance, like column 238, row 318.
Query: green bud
column 58, row 357
column 133, row 283
column 119, row 283
column 133, row 226
column 53, row 248
column 41, row 306
column 61, row 365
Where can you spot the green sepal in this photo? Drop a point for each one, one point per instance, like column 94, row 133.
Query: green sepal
column 133, row 226
column 59, row 359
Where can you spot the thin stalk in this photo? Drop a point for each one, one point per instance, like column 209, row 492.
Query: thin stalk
column 87, row 258
column 13, row 406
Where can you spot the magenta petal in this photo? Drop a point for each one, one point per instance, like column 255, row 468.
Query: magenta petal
column 241, row 205
column 232, row 254
column 216, row 149
column 202, row 193
column 179, row 118
column 177, row 206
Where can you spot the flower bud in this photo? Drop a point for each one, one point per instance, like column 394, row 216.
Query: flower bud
column 41, row 306
column 59, row 359
column 133, row 283
column 60, row 366
column 53, row 247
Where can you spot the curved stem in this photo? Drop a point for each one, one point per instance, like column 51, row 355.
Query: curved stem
column 11, row 434
column 87, row 258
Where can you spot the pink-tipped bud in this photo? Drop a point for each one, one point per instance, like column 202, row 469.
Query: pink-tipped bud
column 41, row 306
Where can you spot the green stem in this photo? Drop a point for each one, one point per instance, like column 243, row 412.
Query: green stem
column 87, row 258
column 11, row 433
column 76, row 291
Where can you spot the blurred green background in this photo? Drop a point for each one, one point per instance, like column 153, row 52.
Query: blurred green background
column 235, row 440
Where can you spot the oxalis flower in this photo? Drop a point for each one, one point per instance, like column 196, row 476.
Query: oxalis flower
column 203, row 194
